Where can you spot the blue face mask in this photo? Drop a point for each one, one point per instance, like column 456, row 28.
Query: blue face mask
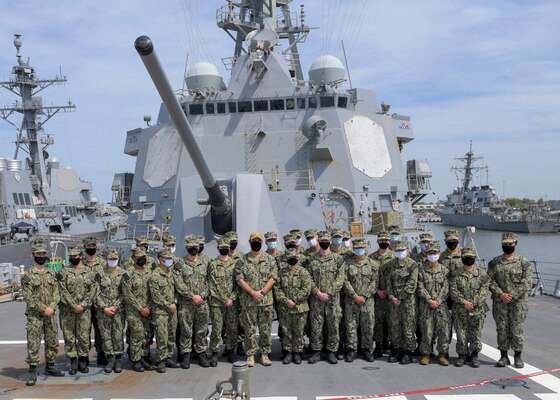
column 359, row 252
column 271, row 245
column 395, row 238
column 337, row 241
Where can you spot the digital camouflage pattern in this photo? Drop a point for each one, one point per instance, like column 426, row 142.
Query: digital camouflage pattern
column 136, row 297
column 162, row 296
column 110, row 294
column 382, row 310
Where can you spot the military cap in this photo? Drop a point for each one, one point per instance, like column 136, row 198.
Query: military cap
column 383, row 235
column 401, row 245
column 433, row 246
column 394, row 229
column 39, row 247
column 74, row 251
column 451, row 235
column 200, row 239
column 336, row 232
column 297, row 233
column 509, row 237
column 89, row 240
column 426, row 237
column 256, row 235
column 289, row 238
column 223, row 242
column 112, row 253
column 164, row 252
column 139, row 252
column 141, row 240
column 346, row 235
column 169, row 240
column 291, row 253
column 232, row 235
column 191, row 241
column 359, row 243
column 310, row 233
column 324, row 235
column 271, row 235
column 468, row 252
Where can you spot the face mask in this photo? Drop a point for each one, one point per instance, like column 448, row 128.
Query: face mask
column 433, row 257
column 292, row 261
column 383, row 245
column 168, row 262
column 452, row 245
column 395, row 238
column 312, row 242
column 112, row 263
column 291, row 246
column 468, row 261
column 359, row 252
column 324, row 245
column 172, row 249
column 347, row 244
column 401, row 254
column 41, row 260
column 256, row 246
column 141, row 261
column 200, row 248
column 232, row 245
column 271, row 245
column 91, row 251
column 337, row 241
column 193, row 251
column 224, row 252
column 299, row 241
column 423, row 246
column 74, row 261
column 508, row 249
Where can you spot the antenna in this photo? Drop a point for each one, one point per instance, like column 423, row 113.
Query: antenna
column 346, row 62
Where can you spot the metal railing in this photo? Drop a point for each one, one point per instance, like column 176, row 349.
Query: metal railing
column 290, row 180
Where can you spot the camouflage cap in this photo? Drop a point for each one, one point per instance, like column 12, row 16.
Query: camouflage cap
column 164, row 252
column 509, row 237
column 112, row 253
column 346, row 235
column 289, row 238
column 224, row 242
column 89, row 240
column 191, row 241
column 74, row 251
column 271, row 235
column 200, row 239
column 336, row 232
column 39, row 247
column 433, row 246
column 394, row 229
column 359, row 243
column 139, row 252
column 232, row 235
column 169, row 240
column 310, row 233
column 291, row 253
column 401, row 245
column 297, row 233
column 451, row 235
column 383, row 235
column 324, row 236
column 468, row 252
column 426, row 237
column 141, row 240
column 256, row 235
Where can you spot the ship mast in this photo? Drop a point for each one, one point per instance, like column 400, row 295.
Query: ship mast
column 469, row 169
column 30, row 139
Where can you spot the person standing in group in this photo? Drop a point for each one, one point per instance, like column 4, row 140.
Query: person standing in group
column 511, row 281
column 271, row 240
column 394, row 235
column 41, row 294
column 312, row 243
column 237, row 255
column 469, row 290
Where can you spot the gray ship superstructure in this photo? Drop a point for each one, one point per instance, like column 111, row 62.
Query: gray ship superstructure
column 481, row 207
column 38, row 198
column 270, row 150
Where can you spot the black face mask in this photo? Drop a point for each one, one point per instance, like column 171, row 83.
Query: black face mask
column 91, row 251
column 291, row 246
column 74, row 261
column 193, row 251
column 223, row 252
column 200, row 248
column 256, row 246
column 141, row 261
column 324, row 245
column 383, row 245
column 292, row 261
column 452, row 245
column 41, row 260
column 233, row 245
column 468, row 261
column 508, row 249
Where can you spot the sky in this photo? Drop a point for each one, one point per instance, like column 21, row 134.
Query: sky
column 464, row 70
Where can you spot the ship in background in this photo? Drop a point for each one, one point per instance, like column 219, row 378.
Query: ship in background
column 481, row 207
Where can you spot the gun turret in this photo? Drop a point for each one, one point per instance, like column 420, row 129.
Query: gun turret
column 221, row 206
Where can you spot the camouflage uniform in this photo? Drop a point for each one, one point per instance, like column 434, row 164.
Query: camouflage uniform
column 237, row 255
column 311, row 250
column 201, row 242
column 141, row 241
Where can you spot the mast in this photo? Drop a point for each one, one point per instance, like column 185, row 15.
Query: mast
column 469, row 169
column 30, row 139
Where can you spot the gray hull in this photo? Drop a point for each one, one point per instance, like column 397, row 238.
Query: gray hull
column 489, row 222
column 17, row 253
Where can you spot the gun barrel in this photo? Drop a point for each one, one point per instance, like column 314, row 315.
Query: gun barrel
column 145, row 48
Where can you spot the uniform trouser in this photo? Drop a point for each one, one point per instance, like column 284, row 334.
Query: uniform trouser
column 75, row 329
column 251, row 318
column 96, row 331
column 362, row 317
column 111, row 330
column 139, row 335
column 468, row 327
column 223, row 317
column 328, row 313
column 240, row 327
column 293, row 327
column 165, row 326
column 434, row 324
column 193, row 320
column 509, row 319
column 403, row 324
column 381, row 326
column 342, row 324
column 39, row 326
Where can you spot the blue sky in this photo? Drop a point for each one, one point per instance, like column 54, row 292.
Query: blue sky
column 486, row 71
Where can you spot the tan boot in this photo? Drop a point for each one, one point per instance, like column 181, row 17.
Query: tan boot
column 265, row 360
column 425, row 360
column 442, row 360
column 251, row 361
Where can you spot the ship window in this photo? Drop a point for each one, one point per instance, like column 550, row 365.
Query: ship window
column 21, row 199
column 210, row 109
column 261, row 105
column 16, row 201
column 313, row 102
column 290, row 104
column 27, row 199
column 327, row 101
column 342, row 102
column 66, row 210
column 74, row 212
column 301, row 103
column 232, row 107
column 245, row 106
column 278, row 104
column 195, row 109
column 221, row 108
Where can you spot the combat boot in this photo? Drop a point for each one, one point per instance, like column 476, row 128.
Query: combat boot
column 405, row 359
column 240, row 349
column 331, row 357
column 118, row 364
column 186, row 360
column 350, row 356
column 231, row 357
column 203, row 360
column 73, row 366
column 110, row 364
column 51, row 370
column 315, row 358
column 461, row 360
column 214, row 359
column 442, row 359
column 400, row 355
column 146, row 364
column 340, row 353
column 171, row 363
column 265, row 360
column 475, row 363
column 378, row 352
column 31, row 376
column 296, row 358
column 393, row 355
column 82, row 365
column 102, row 359
column 250, row 361
column 225, row 353
column 517, row 360
column 368, row 356
column 504, row 359
column 161, row 367
column 137, row 366
column 425, row 360
column 288, row 358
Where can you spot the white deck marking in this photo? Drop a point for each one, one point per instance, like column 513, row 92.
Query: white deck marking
column 548, row 396
column 472, row 397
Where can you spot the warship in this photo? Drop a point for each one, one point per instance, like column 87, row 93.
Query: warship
column 481, row 207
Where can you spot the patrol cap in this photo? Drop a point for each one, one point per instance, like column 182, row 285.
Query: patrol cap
column 200, row 239
column 509, row 237
column 336, row 232
column 433, row 246
column 451, row 235
column 383, row 235
column 289, row 238
column 394, row 229
column 359, row 243
column 39, row 247
column 256, row 235
column 223, row 242
column 310, row 233
column 232, row 235
column 74, row 251
column 89, row 240
column 169, row 240
column 291, row 253
column 297, row 233
column 191, row 241
column 468, row 252
column 164, row 252
column 112, row 253
column 426, row 237
column 139, row 252
column 401, row 245
column 324, row 236
column 141, row 240
column 271, row 235
column 346, row 235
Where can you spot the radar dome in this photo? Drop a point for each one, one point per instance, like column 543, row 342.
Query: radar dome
column 204, row 76
column 326, row 69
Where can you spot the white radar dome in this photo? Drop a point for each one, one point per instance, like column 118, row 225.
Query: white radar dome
column 204, row 76
column 327, row 69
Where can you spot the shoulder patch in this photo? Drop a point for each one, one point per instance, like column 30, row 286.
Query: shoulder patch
column 59, row 277
column 97, row 278
column 25, row 280
column 125, row 277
